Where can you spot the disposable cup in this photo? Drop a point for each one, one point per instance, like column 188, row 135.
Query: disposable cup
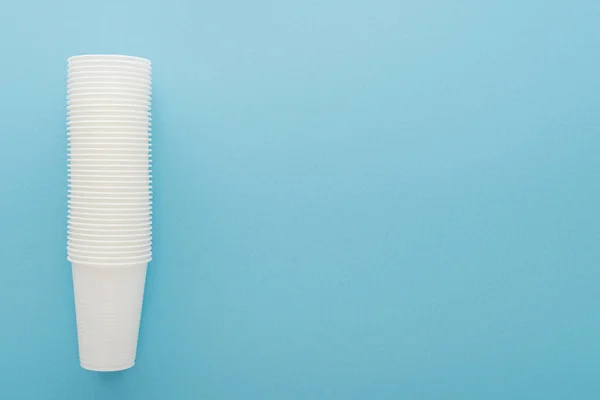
column 108, row 87
column 112, row 205
column 115, row 153
column 139, row 197
column 76, row 223
column 106, row 105
column 97, row 212
column 109, row 68
column 107, row 242
column 104, row 69
column 108, row 96
column 100, row 115
column 82, row 144
column 110, row 240
column 118, row 155
column 121, row 95
column 95, row 226
column 83, row 58
column 109, row 166
column 135, row 134
column 108, row 307
column 126, row 259
column 111, row 160
column 109, row 221
column 86, row 73
column 139, row 139
column 109, row 217
column 119, row 246
column 141, row 164
column 101, row 235
column 118, row 188
column 83, row 213
column 107, row 234
column 117, row 68
column 93, row 71
column 115, row 205
column 104, row 154
column 104, row 250
column 109, row 121
column 106, row 238
column 132, row 224
column 101, row 232
column 118, row 93
column 108, row 183
column 110, row 111
column 140, row 192
column 100, row 75
column 107, row 101
column 110, row 175
column 118, row 177
column 94, row 95
column 103, row 81
column 123, row 85
column 98, row 124
column 109, row 254
column 120, row 70
column 110, row 154
column 103, row 148
column 102, row 168
column 109, row 137
column 97, row 197
column 102, row 172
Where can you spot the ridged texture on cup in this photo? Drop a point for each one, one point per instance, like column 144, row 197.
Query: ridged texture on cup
column 110, row 202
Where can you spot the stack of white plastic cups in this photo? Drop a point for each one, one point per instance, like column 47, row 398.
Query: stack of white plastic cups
column 110, row 227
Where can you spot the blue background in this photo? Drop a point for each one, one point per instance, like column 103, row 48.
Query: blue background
column 354, row 199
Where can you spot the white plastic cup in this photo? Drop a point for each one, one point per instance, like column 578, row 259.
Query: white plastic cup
column 92, row 96
column 109, row 187
column 108, row 254
column 108, row 306
column 110, row 202
column 106, row 242
column 105, row 182
column 112, row 208
column 110, row 215
column 109, row 219
column 107, row 260
column 101, row 247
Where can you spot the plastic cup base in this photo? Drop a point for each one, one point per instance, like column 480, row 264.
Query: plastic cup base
column 108, row 305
